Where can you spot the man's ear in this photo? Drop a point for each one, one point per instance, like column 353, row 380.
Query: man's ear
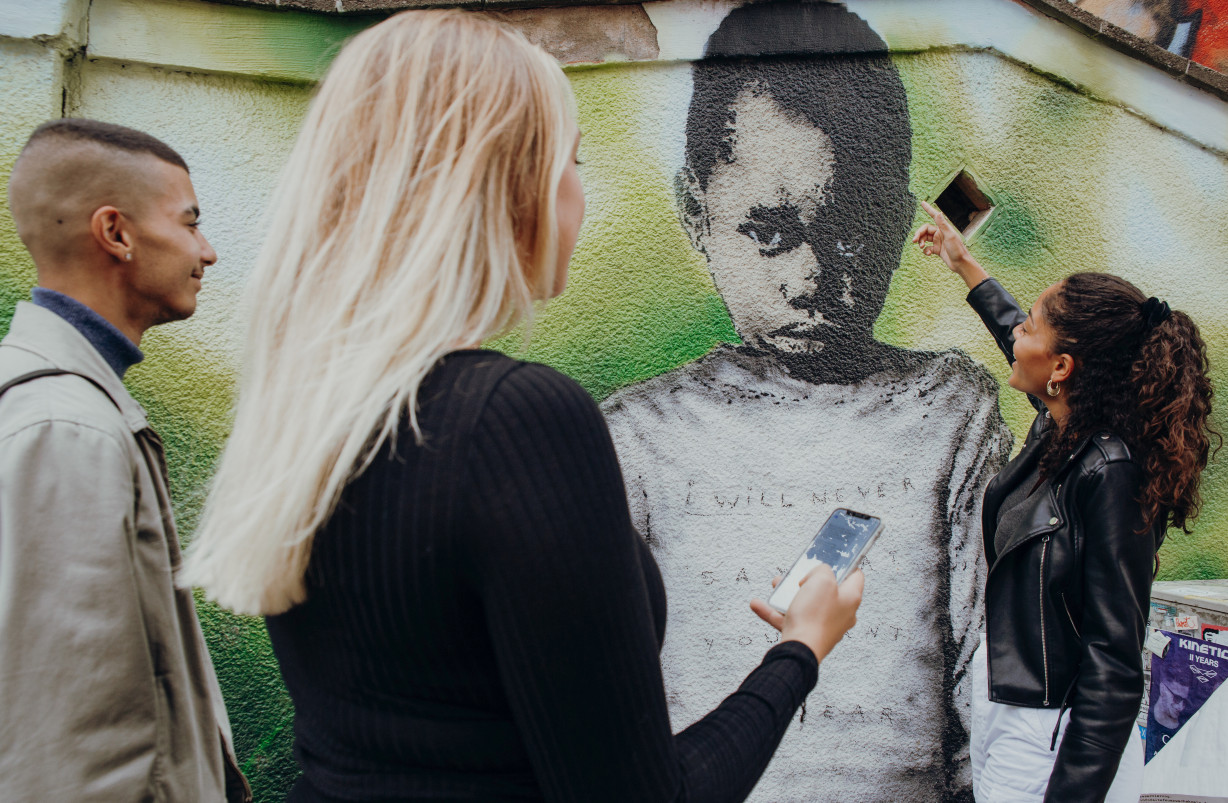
column 692, row 208
column 109, row 228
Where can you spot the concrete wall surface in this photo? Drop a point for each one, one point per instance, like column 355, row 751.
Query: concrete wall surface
column 732, row 203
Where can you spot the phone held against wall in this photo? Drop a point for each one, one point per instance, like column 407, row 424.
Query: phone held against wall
column 841, row 543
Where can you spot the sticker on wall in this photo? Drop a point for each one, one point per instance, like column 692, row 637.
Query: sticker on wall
column 1163, row 615
column 1216, row 634
column 1186, row 622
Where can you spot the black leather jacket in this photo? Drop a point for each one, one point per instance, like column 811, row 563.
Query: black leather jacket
column 1066, row 600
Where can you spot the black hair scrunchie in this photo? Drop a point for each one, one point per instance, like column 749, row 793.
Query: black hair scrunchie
column 1155, row 312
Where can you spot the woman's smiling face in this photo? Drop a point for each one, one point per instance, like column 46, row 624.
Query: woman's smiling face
column 1035, row 360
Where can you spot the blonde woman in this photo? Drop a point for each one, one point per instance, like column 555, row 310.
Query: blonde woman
column 438, row 534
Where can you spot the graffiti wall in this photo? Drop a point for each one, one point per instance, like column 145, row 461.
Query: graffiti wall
column 742, row 301
column 1196, row 29
column 795, row 191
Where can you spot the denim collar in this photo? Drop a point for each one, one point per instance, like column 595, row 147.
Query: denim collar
column 119, row 352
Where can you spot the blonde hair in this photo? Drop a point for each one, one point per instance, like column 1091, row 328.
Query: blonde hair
column 416, row 214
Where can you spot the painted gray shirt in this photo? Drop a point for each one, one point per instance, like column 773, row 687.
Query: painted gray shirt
column 731, row 466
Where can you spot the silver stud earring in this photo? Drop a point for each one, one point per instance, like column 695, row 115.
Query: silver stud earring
column 1052, row 388
column 128, row 256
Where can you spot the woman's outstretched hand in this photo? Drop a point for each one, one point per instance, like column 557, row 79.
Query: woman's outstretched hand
column 821, row 612
column 943, row 240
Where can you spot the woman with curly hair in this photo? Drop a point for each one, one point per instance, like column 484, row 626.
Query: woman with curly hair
column 1072, row 525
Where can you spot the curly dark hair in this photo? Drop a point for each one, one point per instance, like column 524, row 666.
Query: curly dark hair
column 1141, row 373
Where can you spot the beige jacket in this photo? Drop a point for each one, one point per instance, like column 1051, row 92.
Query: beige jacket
column 107, row 692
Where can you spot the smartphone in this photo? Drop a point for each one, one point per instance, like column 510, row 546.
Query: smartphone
column 841, row 543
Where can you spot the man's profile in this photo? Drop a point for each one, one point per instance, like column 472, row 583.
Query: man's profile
column 107, row 691
column 796, row 191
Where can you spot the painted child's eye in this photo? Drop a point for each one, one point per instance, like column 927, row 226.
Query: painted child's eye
column 775, row 230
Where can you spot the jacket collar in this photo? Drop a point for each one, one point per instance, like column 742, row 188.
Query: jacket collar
column 1045, row 515
column 1010, row 476
column 114, row 346
column 46, row 335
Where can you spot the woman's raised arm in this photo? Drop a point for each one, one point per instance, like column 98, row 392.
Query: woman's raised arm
column 943, row 240
column 998, row 309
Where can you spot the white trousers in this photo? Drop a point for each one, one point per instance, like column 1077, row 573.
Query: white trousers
column 1011, row 759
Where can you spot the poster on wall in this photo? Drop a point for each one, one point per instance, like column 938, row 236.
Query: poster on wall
column 1187, row 723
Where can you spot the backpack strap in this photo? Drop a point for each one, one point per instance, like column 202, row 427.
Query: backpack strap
column 41, row 372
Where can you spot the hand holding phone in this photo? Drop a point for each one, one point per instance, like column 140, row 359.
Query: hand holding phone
column 816, row 601
column 841, row 543
column 821, row 613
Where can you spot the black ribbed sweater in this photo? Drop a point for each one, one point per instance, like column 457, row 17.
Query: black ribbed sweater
column 483, row 622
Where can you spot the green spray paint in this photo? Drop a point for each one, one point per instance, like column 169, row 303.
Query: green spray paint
column 187, row 398
column 16, row 267
column 1063, row 170
column 264, row 43
column 260, row 709
column 639, row 300
column 16, row 279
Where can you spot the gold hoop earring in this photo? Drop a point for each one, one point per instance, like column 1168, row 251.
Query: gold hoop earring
column 1052, row 388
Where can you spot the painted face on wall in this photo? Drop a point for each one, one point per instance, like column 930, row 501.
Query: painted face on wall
column 761, row 206
column 790, row 278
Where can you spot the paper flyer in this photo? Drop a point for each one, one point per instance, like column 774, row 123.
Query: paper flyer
column 1187, row 723
column 1215, row 633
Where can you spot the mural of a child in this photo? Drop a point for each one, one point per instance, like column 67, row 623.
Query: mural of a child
column 796, row 190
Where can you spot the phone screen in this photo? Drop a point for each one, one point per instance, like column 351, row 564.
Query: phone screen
column 841, row 542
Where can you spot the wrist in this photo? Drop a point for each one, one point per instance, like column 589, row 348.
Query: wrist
column 814, row 644
column 969, row 270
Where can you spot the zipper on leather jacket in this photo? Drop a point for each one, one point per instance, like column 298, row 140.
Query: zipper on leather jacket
column 1070, row 616
column 1044, row 648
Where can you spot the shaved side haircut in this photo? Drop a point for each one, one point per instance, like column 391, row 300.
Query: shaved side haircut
column 71, row 167
column 107, row 135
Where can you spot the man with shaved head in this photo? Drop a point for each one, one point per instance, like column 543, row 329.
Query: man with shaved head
column 107, row 691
